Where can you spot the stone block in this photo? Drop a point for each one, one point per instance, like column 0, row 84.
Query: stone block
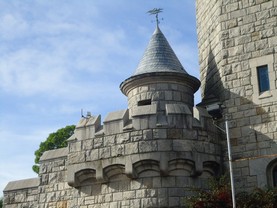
column 147, row 134
column 118, row 196
column 109, row 140
column 160, row 133
column 131, row 148
column 76, row 157
column 62, row 204
column 140, row 193
column 87, row 144
column 272, row 126
column 115, row 122
column 164, row 145
column 104, row 152
column 174, row 133
column 92, row 155
column 262, row 15
column 181, row 145
column 98, row 142
column 135, row 184
column 144, row 110
column 255, row 119
column 177, row 109
column 75, row 146
column 168, row 95
column 149, row 202
column 158, row 95
column 87, row 127
column 129, row 195
column 54, row 154
column 117, row 150
column 122, row 138
column 148, row 146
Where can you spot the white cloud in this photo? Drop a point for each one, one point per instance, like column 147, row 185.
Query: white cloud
column 16, row 168
column 17, row 152
column 11, row 26
column 30, row 71
column 58, row 57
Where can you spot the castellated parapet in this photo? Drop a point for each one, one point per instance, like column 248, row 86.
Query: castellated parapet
column 149, row 155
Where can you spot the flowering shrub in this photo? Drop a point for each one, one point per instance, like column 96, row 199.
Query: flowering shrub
column 218, row 195
column 265, row 198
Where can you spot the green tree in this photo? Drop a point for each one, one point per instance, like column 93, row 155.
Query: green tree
column 55, row 140
column 1, row 202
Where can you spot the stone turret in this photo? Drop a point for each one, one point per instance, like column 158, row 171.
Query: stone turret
column 160, row 88
column 156, row 139
column 148, row 155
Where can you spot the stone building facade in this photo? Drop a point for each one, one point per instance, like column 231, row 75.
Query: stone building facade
column 152, row 153
column 148, row 155
column 238, row 66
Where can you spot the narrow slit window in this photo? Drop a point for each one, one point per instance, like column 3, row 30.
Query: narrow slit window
column 274, row 176
column 263, row 78
column 144, row 102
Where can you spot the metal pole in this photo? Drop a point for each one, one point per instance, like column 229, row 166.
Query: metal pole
column 230, row 163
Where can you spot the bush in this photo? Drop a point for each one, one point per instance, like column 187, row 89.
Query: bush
column 265, row 198
column 218, row 195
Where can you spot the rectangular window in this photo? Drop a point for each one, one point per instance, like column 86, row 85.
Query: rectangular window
column 263, row 78
column 144, row 102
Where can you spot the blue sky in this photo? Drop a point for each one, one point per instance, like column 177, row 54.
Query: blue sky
column 58, row 57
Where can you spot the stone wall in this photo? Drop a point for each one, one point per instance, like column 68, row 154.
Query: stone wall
column 53, row 190
column 22, row 193
column 141, row 168
column 134, row 168
column 235, row 37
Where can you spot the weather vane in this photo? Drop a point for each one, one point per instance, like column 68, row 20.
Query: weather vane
column 156, row 12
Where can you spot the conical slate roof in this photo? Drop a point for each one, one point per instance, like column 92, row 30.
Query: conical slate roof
column 159, row 56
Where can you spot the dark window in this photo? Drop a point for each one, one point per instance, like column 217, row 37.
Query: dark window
column 274, row 176
column 144, row 102
column 263, row 78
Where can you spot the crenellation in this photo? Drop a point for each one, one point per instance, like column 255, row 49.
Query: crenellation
column 153, row 152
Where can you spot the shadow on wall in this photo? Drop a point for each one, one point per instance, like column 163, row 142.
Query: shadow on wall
column 254, row 150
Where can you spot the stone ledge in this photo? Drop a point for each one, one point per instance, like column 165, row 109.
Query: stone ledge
column 54, row 154
column 144, row 110
column 177, row 109
column 22, row 184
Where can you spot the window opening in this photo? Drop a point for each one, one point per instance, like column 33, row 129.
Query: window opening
column 144, row 102
column 274, row 176
column 263, row 78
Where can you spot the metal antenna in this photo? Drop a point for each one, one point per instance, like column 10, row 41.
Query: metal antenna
column 156, row 12
column 82, row 115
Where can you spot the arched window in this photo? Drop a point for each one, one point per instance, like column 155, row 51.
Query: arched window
column 274, row 176
column 272, row 173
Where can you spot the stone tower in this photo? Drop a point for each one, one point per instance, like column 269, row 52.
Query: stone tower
column 238, row 64
column 149, row 155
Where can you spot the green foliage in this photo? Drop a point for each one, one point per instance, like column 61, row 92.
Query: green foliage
column 1, row 202
column 55, row 140
column 218, row 195
column 266, row 198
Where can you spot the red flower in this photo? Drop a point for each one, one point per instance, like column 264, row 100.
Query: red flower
column 199, row 204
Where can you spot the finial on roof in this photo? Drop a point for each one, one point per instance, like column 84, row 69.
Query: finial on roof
column 156, row 12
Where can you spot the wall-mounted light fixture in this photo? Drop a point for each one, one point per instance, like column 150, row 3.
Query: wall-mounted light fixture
column 216, row 112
